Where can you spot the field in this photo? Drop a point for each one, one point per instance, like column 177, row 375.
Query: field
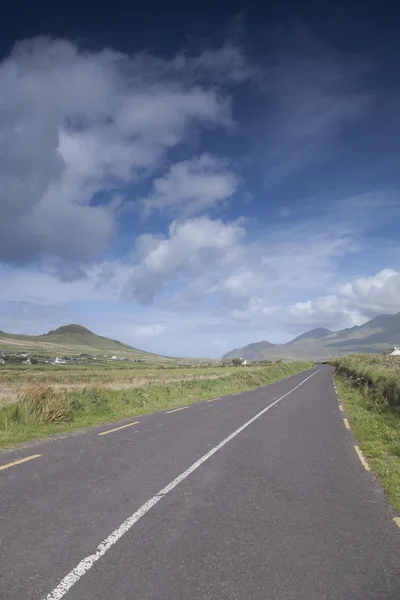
column 370, row 389
column 42, row 400
column 107, row 376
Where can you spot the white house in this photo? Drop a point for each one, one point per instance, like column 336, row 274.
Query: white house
column 396, row 352
column 59, row 361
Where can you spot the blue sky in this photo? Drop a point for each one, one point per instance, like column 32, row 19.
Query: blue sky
column 189, row 182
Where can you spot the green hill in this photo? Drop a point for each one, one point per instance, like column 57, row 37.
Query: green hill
column 73, row 339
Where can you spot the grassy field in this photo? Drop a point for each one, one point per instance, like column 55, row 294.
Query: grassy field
column 107, row 376
column 46, row 401
column 369, row 387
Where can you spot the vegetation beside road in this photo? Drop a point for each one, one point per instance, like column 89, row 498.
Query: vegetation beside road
column 369, row 387
column 376, row 374
column 43, row 409
column 109, row 376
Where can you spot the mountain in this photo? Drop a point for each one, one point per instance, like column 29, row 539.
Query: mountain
column 314, row 334
column 253, row 351
column 384, row 329
column 376, row 335
column 73, row 339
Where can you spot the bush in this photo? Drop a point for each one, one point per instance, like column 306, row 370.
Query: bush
column 237, row 361
column 90, row 400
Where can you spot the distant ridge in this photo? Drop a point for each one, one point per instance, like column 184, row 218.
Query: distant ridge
column 250, row 352
column 314, row 334
column 376, row 335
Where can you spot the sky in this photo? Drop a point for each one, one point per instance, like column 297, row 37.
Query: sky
column 191, row 179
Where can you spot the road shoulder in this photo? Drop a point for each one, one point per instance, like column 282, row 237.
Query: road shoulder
column 377, row 431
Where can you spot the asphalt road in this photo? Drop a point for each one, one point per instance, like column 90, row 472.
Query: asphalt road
column 256, row 496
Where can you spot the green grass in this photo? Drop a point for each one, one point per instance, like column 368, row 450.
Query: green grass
column 376, row 374
column 29, row 418
column 376, row 425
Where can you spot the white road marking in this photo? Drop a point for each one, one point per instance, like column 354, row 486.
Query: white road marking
column 362, row 458
column 176, row 410
column 83, row 567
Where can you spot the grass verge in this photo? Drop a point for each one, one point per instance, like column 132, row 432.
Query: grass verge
column 42, row 411
column 376, row 374
column 376, row 425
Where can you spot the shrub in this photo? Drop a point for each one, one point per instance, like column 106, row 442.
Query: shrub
column 90, row 400
column 237, row 361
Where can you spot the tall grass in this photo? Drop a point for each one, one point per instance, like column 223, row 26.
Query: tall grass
column 43, row 410
column 377, row 376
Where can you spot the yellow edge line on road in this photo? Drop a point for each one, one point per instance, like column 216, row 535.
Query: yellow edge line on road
column 341, row 407
column 347, row 424
column 362, row 458
column 18, row 462
column 213, row 399
column 397, row 521
column 176, row 409
column 118, row 428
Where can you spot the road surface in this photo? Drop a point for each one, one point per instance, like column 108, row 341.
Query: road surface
column 259, row 496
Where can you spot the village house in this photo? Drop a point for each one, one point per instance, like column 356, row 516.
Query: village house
column 396, row 352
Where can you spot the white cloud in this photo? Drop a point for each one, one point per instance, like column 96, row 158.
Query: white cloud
column 76, row 123
column 354, row 303
column 192, row 248
column 192, row 186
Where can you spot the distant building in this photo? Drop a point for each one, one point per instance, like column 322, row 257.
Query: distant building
column 396, row 352
column 59, row 361
column 26, row 362
column 2, row 361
